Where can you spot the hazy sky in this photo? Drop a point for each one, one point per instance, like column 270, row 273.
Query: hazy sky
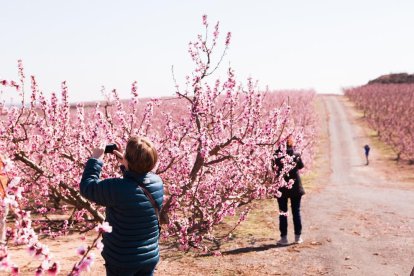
column 325, row 45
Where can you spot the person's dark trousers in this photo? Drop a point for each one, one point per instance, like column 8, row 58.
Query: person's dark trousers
column 116, row 271
column 283, row 222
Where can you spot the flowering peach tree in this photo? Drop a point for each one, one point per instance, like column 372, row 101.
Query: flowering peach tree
column 215, row 140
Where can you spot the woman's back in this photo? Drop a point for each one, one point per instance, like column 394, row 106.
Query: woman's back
column 133, row 241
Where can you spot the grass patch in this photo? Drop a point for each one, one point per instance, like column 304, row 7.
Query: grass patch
column 321, row 163
column 261, row 221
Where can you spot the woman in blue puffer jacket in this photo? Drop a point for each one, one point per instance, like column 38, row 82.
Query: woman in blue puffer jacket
column 131, row 248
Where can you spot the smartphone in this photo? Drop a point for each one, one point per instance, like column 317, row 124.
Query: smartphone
column 110, row 148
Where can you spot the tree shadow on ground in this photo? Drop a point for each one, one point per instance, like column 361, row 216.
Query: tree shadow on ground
column 252, row 249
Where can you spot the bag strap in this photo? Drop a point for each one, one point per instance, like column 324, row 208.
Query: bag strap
column 154, row 205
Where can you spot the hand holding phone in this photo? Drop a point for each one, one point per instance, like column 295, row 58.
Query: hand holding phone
column 115, row 149
column 110, row 148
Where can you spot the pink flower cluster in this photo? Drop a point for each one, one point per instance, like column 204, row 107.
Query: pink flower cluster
column 22, row 232
column 104, row 228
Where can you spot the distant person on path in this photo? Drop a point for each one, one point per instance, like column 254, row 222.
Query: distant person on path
column 367, row 148
column 131, row 202
column 295, row 194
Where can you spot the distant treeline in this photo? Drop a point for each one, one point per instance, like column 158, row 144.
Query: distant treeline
column 393, row 78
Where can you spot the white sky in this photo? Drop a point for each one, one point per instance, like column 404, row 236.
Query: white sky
column 325, row 45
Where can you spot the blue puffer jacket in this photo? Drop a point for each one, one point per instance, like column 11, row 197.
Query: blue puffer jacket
column 133, row 242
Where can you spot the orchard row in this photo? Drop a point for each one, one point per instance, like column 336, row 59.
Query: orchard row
column 388, row 108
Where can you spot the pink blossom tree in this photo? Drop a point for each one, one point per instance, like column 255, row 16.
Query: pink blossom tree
column 215, row 140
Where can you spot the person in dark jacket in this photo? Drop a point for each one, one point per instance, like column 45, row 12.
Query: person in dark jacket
column 132, row 246
column 367, row 149
column 295, row 193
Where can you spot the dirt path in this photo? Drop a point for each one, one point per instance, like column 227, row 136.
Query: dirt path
column 363, row 223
